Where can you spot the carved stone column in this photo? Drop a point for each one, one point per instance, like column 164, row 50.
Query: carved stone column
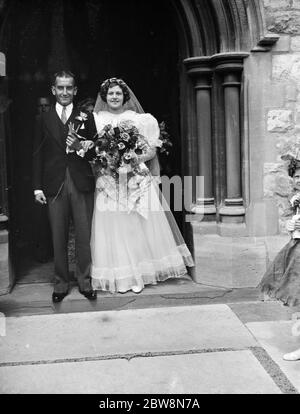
column 4, row 103
column 5, row 282
column 231, row 66
column 199, row 69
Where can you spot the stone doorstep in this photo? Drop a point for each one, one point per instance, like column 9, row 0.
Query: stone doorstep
column 234, row 262
column 31, row 299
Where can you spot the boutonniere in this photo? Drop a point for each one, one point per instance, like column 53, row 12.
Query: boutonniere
column 79, row 121
column 82, row 117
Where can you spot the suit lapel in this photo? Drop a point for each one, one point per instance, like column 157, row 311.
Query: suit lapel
column 55, row 127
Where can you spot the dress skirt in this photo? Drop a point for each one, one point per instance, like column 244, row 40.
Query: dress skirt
column 133, row 247
column 282, row 278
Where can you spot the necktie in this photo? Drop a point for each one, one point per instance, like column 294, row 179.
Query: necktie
column 64, row 115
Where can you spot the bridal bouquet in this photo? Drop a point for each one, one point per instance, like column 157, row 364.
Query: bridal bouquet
column 118, row 148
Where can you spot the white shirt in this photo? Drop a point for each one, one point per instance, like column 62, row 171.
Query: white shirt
column 59, row 108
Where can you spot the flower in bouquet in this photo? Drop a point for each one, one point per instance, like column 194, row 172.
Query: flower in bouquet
column 127, row 125
column 165, row 139
column 129, row 157
column 125, row 136
column 121, row 146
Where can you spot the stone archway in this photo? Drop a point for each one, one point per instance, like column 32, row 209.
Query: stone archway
column 217, row 36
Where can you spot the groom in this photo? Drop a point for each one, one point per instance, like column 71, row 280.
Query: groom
column 63, row 179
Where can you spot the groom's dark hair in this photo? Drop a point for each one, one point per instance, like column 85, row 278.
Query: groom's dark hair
column 63, row 74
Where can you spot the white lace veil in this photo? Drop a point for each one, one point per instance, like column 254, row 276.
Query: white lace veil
column 133, row 105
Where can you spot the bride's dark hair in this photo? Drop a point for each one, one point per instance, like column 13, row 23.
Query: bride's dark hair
column 110, row 83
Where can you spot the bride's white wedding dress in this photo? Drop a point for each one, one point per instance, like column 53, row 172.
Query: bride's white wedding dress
column 132, row 241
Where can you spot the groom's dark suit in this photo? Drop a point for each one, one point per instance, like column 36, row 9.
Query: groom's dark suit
column 68, row 183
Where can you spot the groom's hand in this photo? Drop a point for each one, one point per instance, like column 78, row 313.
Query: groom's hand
column 40, row 198
column 73, row 143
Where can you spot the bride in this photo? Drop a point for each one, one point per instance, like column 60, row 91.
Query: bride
column 134, row 241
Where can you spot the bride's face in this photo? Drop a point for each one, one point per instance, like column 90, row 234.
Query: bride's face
column 115, row 97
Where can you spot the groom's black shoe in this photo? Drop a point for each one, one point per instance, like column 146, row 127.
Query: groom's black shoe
column 58, row 297
column 90, row 294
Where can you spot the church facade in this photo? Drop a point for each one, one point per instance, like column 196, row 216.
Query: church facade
column 228, row 74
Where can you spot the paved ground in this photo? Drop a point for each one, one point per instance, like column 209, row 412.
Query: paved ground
column 218, row 348
column 176, row 337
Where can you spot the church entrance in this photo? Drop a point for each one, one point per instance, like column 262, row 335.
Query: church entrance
column 134, row 40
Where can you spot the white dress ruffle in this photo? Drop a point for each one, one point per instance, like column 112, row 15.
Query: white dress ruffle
column 132, row 241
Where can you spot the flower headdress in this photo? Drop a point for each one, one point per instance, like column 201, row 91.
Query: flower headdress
column 109, row 81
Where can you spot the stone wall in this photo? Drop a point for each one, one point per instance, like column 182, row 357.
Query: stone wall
column 282, row 121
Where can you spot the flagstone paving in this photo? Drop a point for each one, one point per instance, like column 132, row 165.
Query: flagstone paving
column 76, row 335
column 277, row 338
column 208, row 373
column 183, row 349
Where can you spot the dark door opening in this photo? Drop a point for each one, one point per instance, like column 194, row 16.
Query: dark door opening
column 135, row 40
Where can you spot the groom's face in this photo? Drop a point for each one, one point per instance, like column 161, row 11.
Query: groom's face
column 64, row 90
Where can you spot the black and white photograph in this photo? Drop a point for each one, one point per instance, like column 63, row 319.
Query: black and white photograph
column 149, row 200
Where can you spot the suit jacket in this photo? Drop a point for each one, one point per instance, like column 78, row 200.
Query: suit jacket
column 50, row 159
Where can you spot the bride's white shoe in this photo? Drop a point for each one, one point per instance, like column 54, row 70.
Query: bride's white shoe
column 292, row 356
column 137, row 289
